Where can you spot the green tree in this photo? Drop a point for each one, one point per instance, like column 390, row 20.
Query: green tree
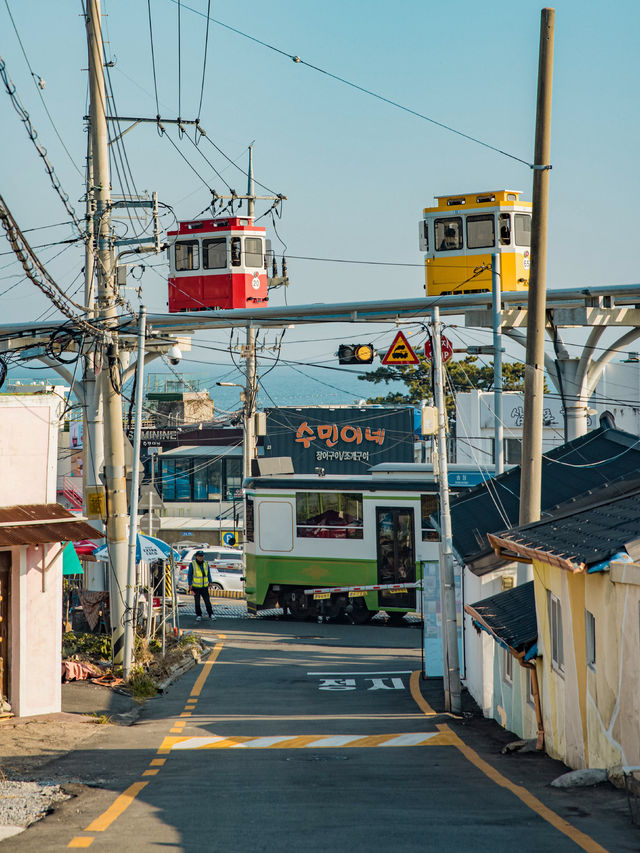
column 460, row 376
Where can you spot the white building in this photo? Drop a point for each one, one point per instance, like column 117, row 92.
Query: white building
column 617, row 392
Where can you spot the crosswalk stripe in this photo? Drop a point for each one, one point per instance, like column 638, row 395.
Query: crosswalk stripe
column 307, row 741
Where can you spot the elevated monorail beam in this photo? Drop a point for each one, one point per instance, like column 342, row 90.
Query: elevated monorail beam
column 384, row 310
column 380, row 311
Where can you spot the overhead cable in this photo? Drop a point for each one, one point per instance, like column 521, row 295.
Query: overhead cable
column 39, row 275
column 298, row 61
column 39, row 84
column 42, row 151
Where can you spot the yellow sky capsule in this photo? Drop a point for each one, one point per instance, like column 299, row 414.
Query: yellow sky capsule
column 460, row 234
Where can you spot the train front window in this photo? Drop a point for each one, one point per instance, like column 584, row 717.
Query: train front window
column 253, row 252
column 187, row 255
column 448, row 233
column 329, row 515
column 481, row 231
column 236, row 252
column 505, row 229
column 214, row 253
column 523, row 229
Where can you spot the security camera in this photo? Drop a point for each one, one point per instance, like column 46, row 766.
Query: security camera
column 175, row 354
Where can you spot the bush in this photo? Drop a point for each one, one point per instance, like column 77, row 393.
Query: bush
column 141, row 684
column 91, row 645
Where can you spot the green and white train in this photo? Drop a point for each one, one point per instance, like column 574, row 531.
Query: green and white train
column 319, row 532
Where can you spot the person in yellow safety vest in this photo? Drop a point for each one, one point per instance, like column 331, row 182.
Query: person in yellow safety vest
column 199, row 580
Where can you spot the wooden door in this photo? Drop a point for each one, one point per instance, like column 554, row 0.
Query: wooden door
column 5, row 605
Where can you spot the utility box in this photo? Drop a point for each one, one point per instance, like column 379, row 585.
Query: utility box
column 260, row 423
column 429, row 420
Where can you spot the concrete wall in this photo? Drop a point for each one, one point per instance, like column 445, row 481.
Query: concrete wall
column 28, row 449
column 592, row 713
column 499, row 699
column 28, row 454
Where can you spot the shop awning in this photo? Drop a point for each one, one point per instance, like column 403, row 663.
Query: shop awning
column 71, row 565
column 37, row 524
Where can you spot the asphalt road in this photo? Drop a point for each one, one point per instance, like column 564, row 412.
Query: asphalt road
column 303, row 737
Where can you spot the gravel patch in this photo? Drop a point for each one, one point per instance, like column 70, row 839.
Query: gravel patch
column 22, row 803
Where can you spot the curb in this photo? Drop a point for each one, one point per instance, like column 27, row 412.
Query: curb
column 176, row 674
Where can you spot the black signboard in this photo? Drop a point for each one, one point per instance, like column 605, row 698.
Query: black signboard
column 342, row 440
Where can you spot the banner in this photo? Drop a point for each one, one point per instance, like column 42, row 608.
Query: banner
column 342, row 440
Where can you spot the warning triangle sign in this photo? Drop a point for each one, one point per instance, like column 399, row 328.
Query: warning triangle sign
column 400, row 352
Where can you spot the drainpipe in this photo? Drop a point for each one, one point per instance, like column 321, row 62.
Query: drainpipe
column 535, row 689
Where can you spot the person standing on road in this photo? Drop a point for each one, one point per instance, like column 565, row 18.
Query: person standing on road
column 199, row 580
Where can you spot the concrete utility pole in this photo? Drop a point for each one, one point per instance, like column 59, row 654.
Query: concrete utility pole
column 251, row 388
column 132, row 575
column 530, row 488
column 450, row 661
column 496, row 297
column 110, row 375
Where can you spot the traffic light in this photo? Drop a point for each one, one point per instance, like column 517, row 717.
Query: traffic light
column 355, row 353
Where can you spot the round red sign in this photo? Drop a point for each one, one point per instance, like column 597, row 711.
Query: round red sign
column 446, row 348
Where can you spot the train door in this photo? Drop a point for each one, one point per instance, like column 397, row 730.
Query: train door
column 396, row 552
column 5, row 578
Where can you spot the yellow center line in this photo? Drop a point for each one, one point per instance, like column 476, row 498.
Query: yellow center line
column 580, row 838
column 124, row 800
column 114, row 811
column 206, row 669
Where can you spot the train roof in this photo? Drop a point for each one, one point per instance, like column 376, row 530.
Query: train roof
column 385, row 477
column 478, row 200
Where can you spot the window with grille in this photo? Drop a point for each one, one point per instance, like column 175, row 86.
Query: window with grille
column 555, row 629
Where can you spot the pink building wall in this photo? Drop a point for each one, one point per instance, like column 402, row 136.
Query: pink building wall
column 28, row 453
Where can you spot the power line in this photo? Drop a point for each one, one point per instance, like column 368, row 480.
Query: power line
column 39, row 84
column 42, row 151
column 204, row 62
column 298, row 61
column 153, row 59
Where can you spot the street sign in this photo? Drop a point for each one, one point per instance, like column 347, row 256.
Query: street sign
column 229, row 538
column 149, row 498
column 400, row 352
column 447, row 349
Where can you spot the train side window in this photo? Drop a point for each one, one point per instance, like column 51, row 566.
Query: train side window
column 236, row 252
column 429, row 506
column 523, row 229
column 329, row 515
column 448, row 233
column 253, row 252
column 505, row 229
column 187, row 255
column 481, row 231
column 214, row 253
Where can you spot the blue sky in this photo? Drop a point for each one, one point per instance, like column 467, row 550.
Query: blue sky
column 357, row 172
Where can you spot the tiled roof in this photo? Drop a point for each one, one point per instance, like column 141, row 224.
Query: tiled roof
column 510, row 616
column 579, row 538
column 602, row 458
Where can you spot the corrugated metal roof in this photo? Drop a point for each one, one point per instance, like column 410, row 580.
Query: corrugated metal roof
column 510, row 616
column 36, row 524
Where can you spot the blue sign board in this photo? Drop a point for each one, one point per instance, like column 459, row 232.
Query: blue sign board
column 466, row 479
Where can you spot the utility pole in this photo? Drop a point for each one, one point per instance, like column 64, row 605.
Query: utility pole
column 132, row 574
column 450, row 660
column 496, row 297
column 530, row 488
column 251, row 388
column 110, row 374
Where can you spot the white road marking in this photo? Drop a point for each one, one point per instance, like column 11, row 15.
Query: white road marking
column 377, row 672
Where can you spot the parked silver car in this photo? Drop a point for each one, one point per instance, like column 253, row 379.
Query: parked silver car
column 226, row 564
